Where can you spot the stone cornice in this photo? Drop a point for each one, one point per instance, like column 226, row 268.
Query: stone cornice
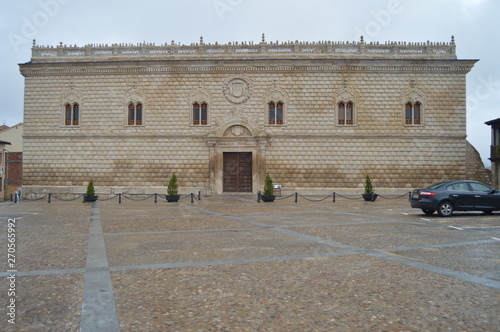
column 152, row 67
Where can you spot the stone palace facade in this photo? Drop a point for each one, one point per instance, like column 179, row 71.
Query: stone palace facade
column 316, row 116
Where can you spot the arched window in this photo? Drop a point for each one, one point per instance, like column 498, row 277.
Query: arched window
column 135, row 114
column 413, row 113
column 276, row 113
column 346, row 113
column 72, row 116
column 200, row 114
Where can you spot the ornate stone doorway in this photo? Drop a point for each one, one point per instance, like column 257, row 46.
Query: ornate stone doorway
column 237, row 172
column 237, row 158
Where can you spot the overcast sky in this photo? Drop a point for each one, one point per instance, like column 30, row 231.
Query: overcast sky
column 474, row 23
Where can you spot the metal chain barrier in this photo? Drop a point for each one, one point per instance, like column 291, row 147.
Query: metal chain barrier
column 334, row 195
column 346, row 197
column 66, row 199
column 193, row 197
column 108, row 199
column 164, row 196
column 139, row 199
column 281, row 198
column 36, row 199
column 316, row 200
column 62, row 197
column 396, row 197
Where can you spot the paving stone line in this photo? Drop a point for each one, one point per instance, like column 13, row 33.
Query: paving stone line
column 439, row 245
column 98, row 304
column 43, row 272
column 228, row 261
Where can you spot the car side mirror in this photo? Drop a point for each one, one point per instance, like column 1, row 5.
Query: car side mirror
column 493, row 191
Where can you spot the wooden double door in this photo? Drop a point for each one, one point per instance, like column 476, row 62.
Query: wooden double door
column 237, row 172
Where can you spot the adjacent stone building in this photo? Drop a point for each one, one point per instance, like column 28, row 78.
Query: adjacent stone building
column 316, row 116
column 12, row 158
column 3, row 187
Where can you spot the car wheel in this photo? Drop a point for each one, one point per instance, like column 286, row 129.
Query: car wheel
column 445, row 209
column 428, row 211
column 488, row 211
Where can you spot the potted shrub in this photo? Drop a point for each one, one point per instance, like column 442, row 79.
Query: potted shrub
column 172, row 189
column 90, row 194
column 369, row 195
column 267, row 194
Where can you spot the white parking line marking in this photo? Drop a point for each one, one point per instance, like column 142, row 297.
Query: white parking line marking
column 494, row 238
column 460, row 229
column 425, row 219
column 482, row 227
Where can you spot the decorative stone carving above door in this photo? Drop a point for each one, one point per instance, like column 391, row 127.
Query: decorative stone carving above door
column 237, row 131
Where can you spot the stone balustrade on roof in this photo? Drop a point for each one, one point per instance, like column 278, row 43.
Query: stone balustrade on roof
column 245, row 50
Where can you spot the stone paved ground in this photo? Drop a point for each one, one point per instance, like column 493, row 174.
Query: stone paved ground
column 228, row 263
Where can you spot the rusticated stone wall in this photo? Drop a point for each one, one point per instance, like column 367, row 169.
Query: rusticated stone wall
column 310, row 151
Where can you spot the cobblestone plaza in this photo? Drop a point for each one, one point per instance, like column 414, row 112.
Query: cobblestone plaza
column 228, row 263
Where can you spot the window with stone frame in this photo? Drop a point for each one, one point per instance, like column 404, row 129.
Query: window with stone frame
column 276, row 112
column 135, row 114
column 346, row 113
column 200, row 114
column 72, row 114
column 413, row 113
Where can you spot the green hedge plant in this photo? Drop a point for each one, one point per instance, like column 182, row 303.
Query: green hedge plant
column 268, row 186
column 173, row 186
column 368, row 185
column 90, row 189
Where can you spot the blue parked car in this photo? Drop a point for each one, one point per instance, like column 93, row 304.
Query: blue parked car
column 447, row 197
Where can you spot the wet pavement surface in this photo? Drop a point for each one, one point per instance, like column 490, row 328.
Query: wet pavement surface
column 228, row 263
